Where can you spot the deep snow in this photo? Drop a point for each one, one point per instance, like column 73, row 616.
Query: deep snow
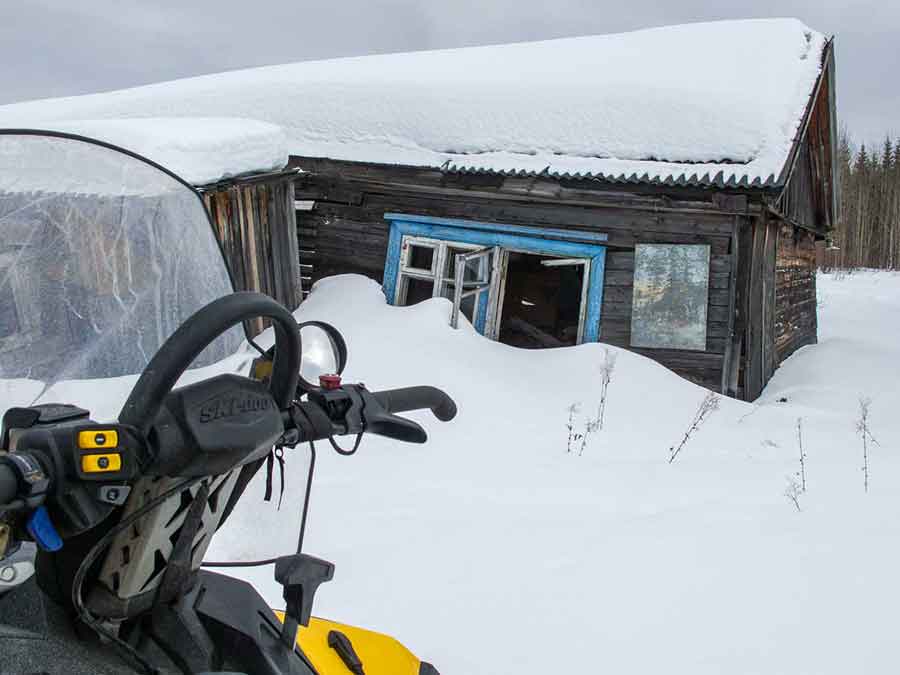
column 664, row 101
column 491, row 550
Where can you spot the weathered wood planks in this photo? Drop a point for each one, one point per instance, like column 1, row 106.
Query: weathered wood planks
column 257, row 227
column 795, row 291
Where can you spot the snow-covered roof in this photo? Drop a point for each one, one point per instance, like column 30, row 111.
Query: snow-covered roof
column 660, row 103
column 200, row 150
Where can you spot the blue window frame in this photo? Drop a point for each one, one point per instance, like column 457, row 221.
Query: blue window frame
column 541, row 241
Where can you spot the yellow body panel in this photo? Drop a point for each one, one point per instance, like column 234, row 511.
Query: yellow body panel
column 105, row 463
column 98, row 439
column 380, row 654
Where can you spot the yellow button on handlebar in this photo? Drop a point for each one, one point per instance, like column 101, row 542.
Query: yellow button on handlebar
column 98, row 439
column 101, row 463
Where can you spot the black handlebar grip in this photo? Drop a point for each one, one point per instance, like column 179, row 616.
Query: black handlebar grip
column 9, row 485
column 416, row 398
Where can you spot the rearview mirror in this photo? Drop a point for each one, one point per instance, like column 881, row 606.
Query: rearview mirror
column 324, row 353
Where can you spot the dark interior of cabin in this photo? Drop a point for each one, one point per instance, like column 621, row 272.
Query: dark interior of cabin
column 541, row 303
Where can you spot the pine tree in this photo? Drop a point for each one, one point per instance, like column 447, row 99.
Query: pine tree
column 860, row 174
column 895, row 205
column 886, row 202
column 867, row 225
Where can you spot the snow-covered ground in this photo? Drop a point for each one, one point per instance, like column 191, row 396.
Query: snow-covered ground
column 492, row 550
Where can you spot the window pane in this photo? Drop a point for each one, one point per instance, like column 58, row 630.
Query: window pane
column 467, row 306
column 421, row 257
column 416, row 290
column 671, row 290
column 476, row 270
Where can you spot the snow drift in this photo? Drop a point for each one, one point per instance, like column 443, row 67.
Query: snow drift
column 492, row 550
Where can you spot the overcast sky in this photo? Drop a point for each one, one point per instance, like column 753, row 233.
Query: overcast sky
column 63, row 47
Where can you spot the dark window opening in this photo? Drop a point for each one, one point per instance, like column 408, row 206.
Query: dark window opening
column 418, row 290
column 541, row 305
column 421, row 257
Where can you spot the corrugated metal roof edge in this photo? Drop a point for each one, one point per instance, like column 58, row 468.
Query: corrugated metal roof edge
column 707, row 180
column 248, row 177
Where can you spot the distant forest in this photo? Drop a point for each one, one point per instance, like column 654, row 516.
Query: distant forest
column 867, row 232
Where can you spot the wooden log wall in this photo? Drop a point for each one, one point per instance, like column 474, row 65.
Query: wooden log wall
column 346, row 232
column 256, row 224
column 796, row 324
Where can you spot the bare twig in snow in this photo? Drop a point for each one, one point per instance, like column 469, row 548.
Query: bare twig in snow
column 570, row 425
column 590, row 426
column 746, row 415
column 708, row 406
column 802, row 454
column 595, row 424
column 862, row 428
column 606, row 371
column 793, row 491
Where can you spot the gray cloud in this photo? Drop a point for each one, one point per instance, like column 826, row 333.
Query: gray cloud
column 58, row 47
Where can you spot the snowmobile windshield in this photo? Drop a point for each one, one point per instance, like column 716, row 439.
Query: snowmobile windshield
column 102, row 256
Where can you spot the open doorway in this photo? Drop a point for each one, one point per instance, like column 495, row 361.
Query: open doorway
column 542, row 301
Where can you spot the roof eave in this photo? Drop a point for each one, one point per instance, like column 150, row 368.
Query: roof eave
column 825, row 75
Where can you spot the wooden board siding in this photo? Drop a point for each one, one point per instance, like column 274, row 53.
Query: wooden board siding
column 759, row 336
column 256, row 224
column 345, row 232
column 795, row 291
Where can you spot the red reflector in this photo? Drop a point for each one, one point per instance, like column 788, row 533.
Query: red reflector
column 330, row 381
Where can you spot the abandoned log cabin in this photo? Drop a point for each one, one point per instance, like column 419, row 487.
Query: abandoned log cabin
column 660, row 190
column 708, row 270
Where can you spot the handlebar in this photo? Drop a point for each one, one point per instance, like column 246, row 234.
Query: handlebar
column 352, row 409
column 415, row 398
column 348, row 410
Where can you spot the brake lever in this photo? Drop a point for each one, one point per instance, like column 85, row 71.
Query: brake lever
column 353, row 409
column 378, row 421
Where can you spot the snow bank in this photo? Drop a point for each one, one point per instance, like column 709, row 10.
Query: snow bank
column 198, row 149
column 491, row 550
column 665, row 102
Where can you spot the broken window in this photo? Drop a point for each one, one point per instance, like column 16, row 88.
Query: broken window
column 542, row 301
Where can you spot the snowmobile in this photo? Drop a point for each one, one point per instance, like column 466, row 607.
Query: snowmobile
column 116, row 304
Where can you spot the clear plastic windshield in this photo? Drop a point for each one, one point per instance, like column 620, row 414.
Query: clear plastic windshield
column 102, row 257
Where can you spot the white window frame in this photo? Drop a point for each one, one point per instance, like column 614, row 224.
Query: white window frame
column 438, row 265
